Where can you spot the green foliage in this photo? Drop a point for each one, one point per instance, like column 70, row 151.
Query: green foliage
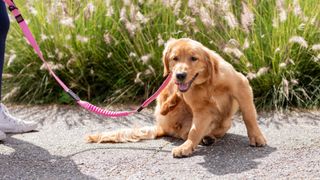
column 110, row 50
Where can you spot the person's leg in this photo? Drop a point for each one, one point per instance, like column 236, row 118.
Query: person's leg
column 8, row 123
column 4, row 27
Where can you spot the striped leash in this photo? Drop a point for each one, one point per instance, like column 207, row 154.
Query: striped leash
column 90, row 107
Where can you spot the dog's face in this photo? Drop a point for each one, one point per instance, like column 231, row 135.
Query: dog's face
column 188, row 61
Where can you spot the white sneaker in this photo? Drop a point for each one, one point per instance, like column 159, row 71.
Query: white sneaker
column 2, row 135
column 10, row 124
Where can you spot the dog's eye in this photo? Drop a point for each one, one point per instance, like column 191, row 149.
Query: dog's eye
column 194, row 58
column 175, row 58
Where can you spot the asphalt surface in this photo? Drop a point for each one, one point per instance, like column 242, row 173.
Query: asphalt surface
column 57, row 150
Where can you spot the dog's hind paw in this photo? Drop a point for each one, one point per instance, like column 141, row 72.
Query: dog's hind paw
column 207, row 141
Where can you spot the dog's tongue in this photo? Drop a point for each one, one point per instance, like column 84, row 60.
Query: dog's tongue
column 183, row 87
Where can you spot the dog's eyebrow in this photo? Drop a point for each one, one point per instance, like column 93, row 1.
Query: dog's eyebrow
column 172, row 55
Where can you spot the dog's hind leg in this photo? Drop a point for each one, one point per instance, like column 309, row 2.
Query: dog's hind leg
column 221, row 128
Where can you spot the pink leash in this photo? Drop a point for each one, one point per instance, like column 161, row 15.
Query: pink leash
column 27, row 33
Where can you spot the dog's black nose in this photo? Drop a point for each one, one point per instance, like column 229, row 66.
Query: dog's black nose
column 181, row 76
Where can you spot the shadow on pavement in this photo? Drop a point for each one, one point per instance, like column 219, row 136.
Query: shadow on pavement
column 229, row 155
column 119, row 148
column 28, row 161
column 232, row 154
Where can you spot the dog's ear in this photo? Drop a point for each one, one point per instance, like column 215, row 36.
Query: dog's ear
column 212, row 61
column 165, row 56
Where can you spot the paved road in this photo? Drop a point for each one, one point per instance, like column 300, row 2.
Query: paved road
column 58, row 150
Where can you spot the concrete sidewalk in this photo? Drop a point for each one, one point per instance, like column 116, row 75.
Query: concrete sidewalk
column 58, row 149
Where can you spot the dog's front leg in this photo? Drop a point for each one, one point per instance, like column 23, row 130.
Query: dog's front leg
column 244, row 97
column 200, row 123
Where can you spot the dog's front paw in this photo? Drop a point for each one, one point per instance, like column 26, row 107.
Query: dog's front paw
column 184, row 150
column 257, row 140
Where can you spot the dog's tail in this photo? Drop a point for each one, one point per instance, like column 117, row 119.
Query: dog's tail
column 126, row 135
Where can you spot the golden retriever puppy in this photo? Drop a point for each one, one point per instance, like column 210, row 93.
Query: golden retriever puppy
column 199, row 102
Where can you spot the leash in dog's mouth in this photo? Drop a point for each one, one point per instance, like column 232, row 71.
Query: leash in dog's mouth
column 184, row 87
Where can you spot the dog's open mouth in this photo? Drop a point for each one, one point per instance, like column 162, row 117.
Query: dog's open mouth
column 184, row 87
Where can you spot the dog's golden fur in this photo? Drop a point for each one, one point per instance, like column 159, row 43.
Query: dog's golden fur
column 215, row 92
